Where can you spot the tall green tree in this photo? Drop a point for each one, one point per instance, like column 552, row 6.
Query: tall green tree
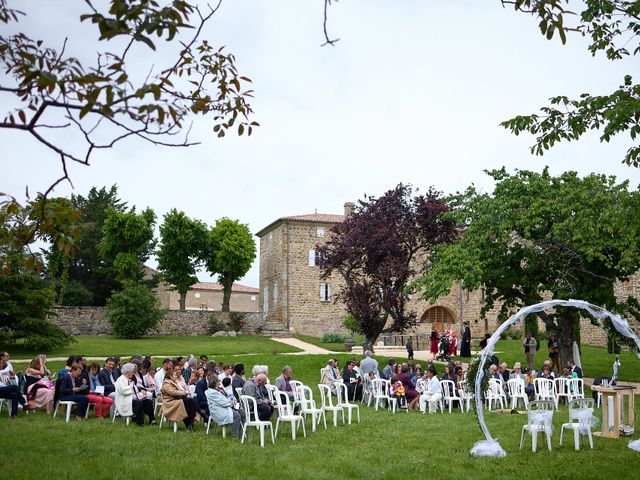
column 87, row 278
column 612, row 27
column 128, row 242
column 182, row 244
column 538, row 235
column 230, row 253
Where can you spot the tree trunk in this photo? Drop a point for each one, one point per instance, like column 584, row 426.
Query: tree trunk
column 566, row 336
column 183, row 300
column 369, row 342
column 227, row 283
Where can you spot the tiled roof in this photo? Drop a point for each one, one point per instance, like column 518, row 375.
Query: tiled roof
column 310, row 217
column 318, row 217
column 237, row 287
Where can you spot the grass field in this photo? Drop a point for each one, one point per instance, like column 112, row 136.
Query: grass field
column 102, row 346
column 383, row 446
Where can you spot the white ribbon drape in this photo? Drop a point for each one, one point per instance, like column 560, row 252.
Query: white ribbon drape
column 490, row 447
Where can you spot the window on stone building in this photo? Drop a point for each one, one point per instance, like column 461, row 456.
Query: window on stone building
column 265, row 300
column 320, row 232
column 196, row 295
column 325, row 292
column 204, row 306
column 253, row 298
column 275, row 293
column 312, row 258
column 437, row 315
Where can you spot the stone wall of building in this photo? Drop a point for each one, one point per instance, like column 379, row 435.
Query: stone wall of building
column 91, row 321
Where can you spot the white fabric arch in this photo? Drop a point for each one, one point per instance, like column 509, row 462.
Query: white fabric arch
column 490, row 447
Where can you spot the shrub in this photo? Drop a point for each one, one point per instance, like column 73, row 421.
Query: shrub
column 236, row 321
column 133, row 311
column 351, row 323
column 215, row 325
column 333, row 337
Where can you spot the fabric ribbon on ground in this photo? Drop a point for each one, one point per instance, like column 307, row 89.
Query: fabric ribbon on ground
column 620, row 324
column 635, row 445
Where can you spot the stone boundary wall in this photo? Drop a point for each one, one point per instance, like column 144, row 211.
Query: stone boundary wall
column 91, row 321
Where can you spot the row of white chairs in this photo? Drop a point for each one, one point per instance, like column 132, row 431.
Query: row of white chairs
column 544, row 389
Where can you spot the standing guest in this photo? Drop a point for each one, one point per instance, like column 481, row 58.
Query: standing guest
column 483, row 342
column 107, row 377
column 554, row 352
column 409, row 347
column 238, row 380
column 435, row 341
column 368, row 364
column 574, row 368
column 223, row 407
column 167, row 365
column 176, row 403
column 40, row 390
column 465, row 347
column 329, row 375
column 283, row 382
column 453, row 343
column 387, row 372
column 255, row 387
column 432, row 393
column 530, row 344
column 70, row 392
column 102, row 403
column 353, row 381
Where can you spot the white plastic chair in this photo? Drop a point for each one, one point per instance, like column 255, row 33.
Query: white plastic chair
column 449, row 394
column 285, row 414
column 239, row 392
column 308, row 407
column 544, row 389
column 251, row 409
column 576, row 388
column 466, row 395
column 116, row 413
column 68, row 404
column 495, row 394
column 8, row 402
column 580, row 415
column 343, row 402
column 157, row 404
column 517, row 392
column 163, row 419
column 327, row 404
column 295, row 388
column 539, row 418
column 561, row 387
column 271, row 389
column 215, row 426
column 381, row 390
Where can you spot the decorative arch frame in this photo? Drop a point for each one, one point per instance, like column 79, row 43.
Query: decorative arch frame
column 489, row 447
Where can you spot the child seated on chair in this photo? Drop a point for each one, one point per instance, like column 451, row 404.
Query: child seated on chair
column 397, row 392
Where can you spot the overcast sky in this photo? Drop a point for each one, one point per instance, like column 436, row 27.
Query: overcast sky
column 413, row 92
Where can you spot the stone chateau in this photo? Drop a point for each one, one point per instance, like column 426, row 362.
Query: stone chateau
column 293, row 297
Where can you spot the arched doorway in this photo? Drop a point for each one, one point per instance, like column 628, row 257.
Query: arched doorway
column 439, row 316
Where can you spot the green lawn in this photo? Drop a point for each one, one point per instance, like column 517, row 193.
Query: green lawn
column 334, row 347
column 596, row 361
column 100, row 346
column 383, row 446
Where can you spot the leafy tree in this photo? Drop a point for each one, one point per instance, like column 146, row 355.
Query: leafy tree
column 377, row 250
column 133, row 311
column 538, row 236
column 613, row 28
column 230, row 253
column 182, row 243
column 128, row 241
column 87, row 277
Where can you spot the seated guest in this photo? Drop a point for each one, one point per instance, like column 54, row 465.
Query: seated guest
column 189, row 367
column 409, row 390
column 283, row 382
column 547, row 372
column 40, row 389
column 448, row 374
column 574, row 368
column 329, row 376
column 130, row 400
column 203, row 362
column 102, row 403
column 158, row 379
column 417, row 375
column 503, row 372
column 353, row 381
column 177, row 405
column 107, row 377
column 224, row 408
column 201, row 399
column 493, row 372
column 238, row 380
column 149, row 378
column 227, row 371
column 70, row 392
column 255, row 387
column 8, row 390
column 528, row 379
column 387, row 372
column 432, row 393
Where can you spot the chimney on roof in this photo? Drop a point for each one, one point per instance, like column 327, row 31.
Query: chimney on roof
column 349, row 208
